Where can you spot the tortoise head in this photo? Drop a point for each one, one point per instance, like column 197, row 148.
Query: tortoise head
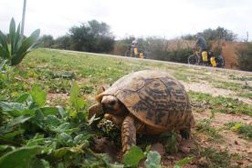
column 111, row 104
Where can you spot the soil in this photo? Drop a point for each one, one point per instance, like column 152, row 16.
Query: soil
column 230, row 141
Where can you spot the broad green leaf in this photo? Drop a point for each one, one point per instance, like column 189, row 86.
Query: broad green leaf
column 82, row 138
column 49, row 110
column 59, row 153
column 23, row 98
column 78, row 149
column 10, row 106
column 65, row 139
column 18, row 120
column 52, row 121
column 133, row 157
column 153, row 160
column 38, row 95
column 4, row 54
column 10, row 135
column 17, row 40
column 12, row 34
column 62, row 112
column 64, row 127
column 2, row 64
column 15, row 109
column 38, row 139
column 19, row 158
column 25, row 47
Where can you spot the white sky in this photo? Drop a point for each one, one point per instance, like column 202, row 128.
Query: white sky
column 139, row 18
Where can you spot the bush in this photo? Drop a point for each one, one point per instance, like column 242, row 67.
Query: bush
column 157, row 48
column 14, row 47
column 180, row 55
column 245, row 57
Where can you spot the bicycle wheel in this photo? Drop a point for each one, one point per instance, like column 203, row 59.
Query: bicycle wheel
column 127, row 53
column 193, row 60
column 220, row 61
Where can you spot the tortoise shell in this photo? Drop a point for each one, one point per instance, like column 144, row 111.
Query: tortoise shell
column 155, row 98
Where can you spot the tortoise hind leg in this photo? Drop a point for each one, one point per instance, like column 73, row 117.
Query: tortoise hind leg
column 128, row 133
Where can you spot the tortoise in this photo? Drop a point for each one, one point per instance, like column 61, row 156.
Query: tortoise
column 145, row 102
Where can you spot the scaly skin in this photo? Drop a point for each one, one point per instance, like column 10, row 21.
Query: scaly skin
column 128, row 133
column 95, row 110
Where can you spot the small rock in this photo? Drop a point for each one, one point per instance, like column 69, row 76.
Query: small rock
column 203, row 161
column 250, row 151
column 185, row 150
column 234, row 165
column 240, row 162
column 159, row 148
column 171, row 158
column 236, row 143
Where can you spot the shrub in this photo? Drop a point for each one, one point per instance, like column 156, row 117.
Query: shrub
column 245, row 57
column 14, row 47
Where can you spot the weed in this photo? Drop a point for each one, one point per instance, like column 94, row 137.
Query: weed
column 245, row 95
column 240, row 78
column 181, row 76
column 222, row 104
column 205, row 126
column 216, row 158
column 240, row 128
column 227, row 85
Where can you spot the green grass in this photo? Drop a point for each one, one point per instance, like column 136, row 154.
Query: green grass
column 221, row 104
column 245, row 95
column 227, row 85
column 205, row 127
column 240, row 78
column 215, row 158
column 244, row 129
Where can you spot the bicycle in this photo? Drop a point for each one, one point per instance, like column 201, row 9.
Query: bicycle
column 211, row 60
column 134, row 52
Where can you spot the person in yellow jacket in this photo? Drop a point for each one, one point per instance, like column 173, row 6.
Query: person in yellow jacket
column 134, row 47
column 202, row 45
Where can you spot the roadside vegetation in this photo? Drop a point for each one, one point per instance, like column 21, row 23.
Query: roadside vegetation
column 94, row 36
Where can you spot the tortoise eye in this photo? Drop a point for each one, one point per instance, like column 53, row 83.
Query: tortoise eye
column 112, row 103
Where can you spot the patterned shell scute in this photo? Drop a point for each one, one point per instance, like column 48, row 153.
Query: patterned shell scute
column 154, row 97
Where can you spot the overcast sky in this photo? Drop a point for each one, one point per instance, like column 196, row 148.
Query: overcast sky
column 139, row 18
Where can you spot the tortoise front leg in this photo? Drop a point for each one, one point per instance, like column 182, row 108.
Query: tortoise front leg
column 95, row 110
column 117, row 120
column 128, row 133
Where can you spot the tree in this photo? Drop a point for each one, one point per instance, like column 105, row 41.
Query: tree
column 219, row 33
column 63, row 42
column 46, row 41
column 92, row 36
column 245, row 57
